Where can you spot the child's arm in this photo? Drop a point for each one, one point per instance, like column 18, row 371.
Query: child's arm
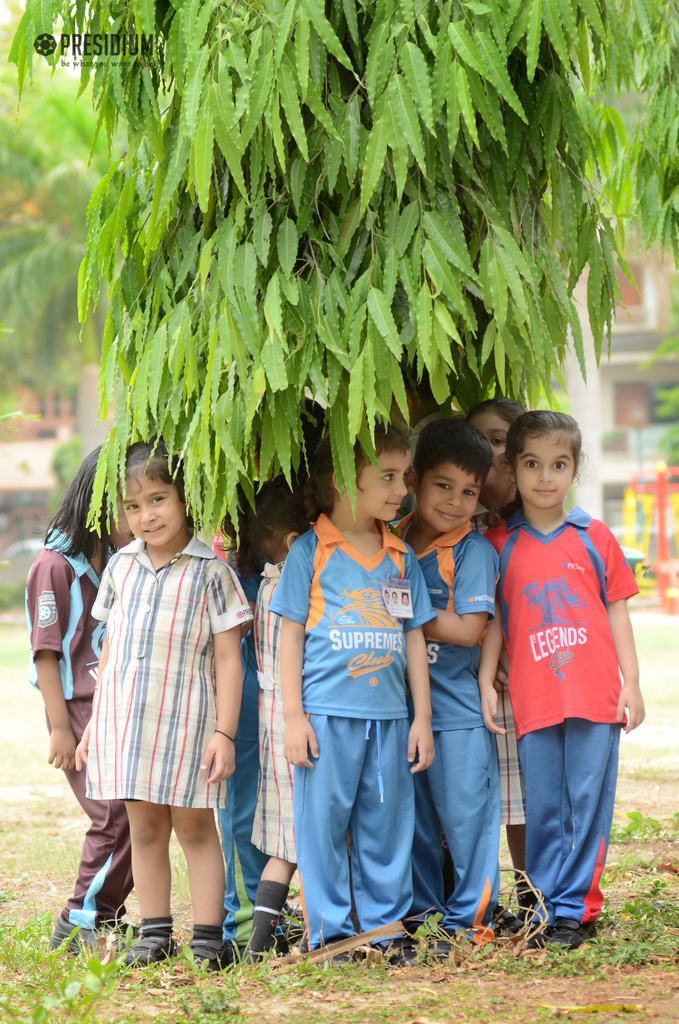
column 623, row 641
column 62, row 741
column 299, row 738
column 451, row 628
column 82, row 749
column 420, row 738
column 491, row 648
column 220, row 753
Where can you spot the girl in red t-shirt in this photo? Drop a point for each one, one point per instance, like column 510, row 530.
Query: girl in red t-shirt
column 562, row 596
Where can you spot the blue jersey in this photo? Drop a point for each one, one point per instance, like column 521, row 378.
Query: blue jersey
column 460, row 569
column 354, row 650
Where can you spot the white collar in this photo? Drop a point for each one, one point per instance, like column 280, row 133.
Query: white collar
column 194, row 547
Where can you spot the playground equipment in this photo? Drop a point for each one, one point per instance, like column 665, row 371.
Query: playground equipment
column 656, row 497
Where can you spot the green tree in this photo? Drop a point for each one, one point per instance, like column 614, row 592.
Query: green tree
column 330, row 198
column 45, row 186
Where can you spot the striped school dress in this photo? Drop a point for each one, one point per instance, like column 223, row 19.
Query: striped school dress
column 155, row 711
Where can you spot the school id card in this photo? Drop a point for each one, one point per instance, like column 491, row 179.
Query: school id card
column 398, row 598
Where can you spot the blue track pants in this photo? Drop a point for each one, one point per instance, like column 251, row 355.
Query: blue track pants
column 571, row 771
column 459, row 796
column 359, row 762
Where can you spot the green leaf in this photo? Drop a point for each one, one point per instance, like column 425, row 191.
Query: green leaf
column 259, row 94
column 551, row 17
column 203, row 158
column 465, row 101
column 482, row 54
column 355, row 410
column 193, row 91
column 290, row 104
column 273, row 361
column 375, row 153
column 404, row 114
column 379, row 63
column 381, row 315
column 146, row 15
column 326, row 31
column 283, row 32
column 287, row 246
column 416, row 73
column 302, row 55
column 533, row 38
column 351, row 136
column 261, row 235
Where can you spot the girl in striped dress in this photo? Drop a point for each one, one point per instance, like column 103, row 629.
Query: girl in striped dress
column 166, row 703
column 264, row 536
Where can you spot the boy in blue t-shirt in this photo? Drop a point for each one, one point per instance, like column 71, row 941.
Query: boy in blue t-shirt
column 459, row 794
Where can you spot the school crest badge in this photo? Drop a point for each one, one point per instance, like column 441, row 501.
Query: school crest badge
column 47, row 609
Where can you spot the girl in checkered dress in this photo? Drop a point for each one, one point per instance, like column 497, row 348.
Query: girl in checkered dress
column 166, row 707
column 264, row 537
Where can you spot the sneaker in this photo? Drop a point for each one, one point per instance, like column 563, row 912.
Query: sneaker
column 80, row 938
column 569, row 934
column 213, row 954
column 540, row 939
column 399, row 951
column 505, row 922
column 150, row 949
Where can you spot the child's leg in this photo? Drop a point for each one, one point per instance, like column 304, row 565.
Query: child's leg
column 548, row 813
column 272, row 892
column 465, row 789
column 105, row 872
column 150, row 828
column 427, row 855
column 382, row 829
column 591, row 763
column 324, row 798
column 512, row 788
column 195, row 829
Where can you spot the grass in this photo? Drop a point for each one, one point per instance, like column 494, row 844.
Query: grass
column 633, row 964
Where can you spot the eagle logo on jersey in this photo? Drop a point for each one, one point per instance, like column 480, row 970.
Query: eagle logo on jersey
column 363, row 608
column 552, row 599
column 555, row 634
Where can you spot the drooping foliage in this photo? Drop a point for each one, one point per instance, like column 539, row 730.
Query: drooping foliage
column 328, row 199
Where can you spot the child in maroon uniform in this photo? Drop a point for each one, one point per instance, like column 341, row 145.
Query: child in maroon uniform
column 65, row 646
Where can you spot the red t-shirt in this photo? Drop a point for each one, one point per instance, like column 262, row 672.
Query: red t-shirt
column 554, row 592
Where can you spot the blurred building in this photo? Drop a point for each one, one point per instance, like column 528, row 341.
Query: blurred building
column 618, row 408
column 26, row 457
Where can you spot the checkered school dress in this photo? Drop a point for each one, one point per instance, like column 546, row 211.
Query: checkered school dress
column 512, row 785
column 272, row 831
column 155, row 712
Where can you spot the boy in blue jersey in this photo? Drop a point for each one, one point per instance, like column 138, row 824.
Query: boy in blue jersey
column 459, row 795
column 345, row 646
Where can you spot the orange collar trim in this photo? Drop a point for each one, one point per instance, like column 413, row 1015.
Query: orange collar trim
column 328, row 533
column 444, row 540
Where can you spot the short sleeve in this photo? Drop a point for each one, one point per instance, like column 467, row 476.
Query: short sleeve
column 291, row 597
column 48, row 601
column 476, row 569
column 106, row 597
column 227, row 605
column 422, row 606
column 620, row 581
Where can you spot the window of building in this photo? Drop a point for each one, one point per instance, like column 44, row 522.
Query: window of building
column 631, row 405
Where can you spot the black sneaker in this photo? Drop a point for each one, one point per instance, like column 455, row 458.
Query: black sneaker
column 150, row 949
column 398, row 952
column 80, row 938
column 505, row 922
column 212, row 954
column 539, row 936
column 570, row 934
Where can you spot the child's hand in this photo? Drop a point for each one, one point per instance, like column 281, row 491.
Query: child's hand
column 501, row 682
column 298, row 739
column 420, row 744
column 62, row 749
column 489, row 709
column 82, row 750
column 220, row 755
column 633, row 702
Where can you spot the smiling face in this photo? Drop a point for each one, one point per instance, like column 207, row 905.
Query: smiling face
column 156, row 514
column 446, row 498
column 499, row 488
column 379, row 493
column 544, row 471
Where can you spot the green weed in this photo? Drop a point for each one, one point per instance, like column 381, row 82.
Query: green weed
column 643, row 828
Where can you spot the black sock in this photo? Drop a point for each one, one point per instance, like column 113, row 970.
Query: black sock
column 213, row 932
column 269, row 903
column 159, row 927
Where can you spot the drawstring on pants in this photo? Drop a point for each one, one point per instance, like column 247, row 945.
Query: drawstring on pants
column 380, row 780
